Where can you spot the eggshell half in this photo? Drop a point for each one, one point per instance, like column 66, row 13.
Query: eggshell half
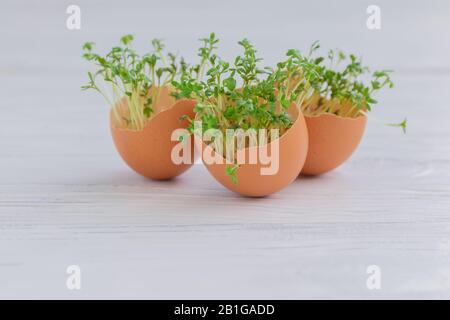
column 332, row 140
column 148, row 151
column 293, row 145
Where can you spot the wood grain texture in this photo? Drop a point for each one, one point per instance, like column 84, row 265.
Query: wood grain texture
column 66, row 197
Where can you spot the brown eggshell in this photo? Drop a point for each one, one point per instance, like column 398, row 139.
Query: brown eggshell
column 332, row 140
column 293, row 145
column 148, row 151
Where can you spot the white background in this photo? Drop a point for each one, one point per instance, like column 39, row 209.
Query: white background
column 67, row 198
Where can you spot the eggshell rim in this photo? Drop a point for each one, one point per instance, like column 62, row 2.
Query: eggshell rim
column 324, row 114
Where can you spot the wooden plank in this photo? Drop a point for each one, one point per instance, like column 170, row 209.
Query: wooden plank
column 66, row 197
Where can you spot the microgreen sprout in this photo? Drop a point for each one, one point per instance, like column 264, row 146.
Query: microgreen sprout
column 402, row 125
column 134, row 81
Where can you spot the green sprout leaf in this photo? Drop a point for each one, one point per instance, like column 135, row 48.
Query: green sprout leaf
column 400, row 124
column 231, row 171
column 183, row 118
column 148, row 112
column 127, row 39
column 88, row 46
column 230, row 83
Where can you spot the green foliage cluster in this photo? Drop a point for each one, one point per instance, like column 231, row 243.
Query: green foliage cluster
column 127, row 78
column 238, row 94
column 339, row 88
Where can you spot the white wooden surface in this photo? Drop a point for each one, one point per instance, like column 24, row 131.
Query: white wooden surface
column 66, row 197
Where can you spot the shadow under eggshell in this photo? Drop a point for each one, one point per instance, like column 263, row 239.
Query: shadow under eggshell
column 148, row 151
column 293, row 145
column 332, row 140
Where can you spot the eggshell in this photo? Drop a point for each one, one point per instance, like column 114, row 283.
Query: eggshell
column 148, row 151
column 293, row 145
column 332, row 140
